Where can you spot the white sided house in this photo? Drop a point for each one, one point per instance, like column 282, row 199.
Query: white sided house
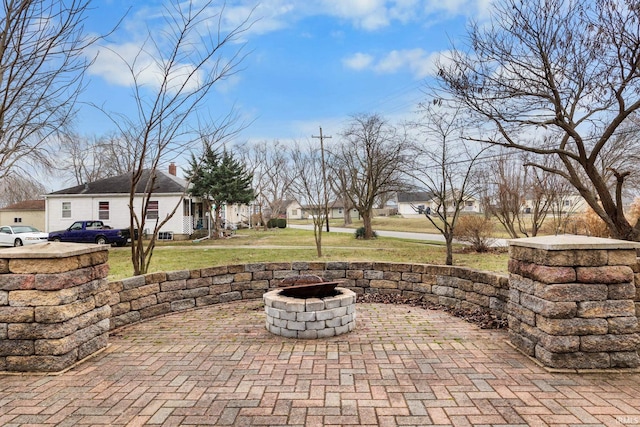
column 419, row 203
column 108, row 200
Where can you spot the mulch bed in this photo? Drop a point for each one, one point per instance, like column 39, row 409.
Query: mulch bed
column 482, row 318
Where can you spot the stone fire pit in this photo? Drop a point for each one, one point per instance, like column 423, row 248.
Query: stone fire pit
column 308, row 307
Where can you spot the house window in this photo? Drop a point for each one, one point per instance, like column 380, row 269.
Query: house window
column 294, row 212
column 567, row 202
column 17, row 220
column 103, row 210
column 152, row 210
column 66, row 209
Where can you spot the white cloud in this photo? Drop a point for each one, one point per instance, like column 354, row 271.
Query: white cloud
column 366, row 14
column 358, row 61
column 417, row 61
column 112, row 64
column 478, row 9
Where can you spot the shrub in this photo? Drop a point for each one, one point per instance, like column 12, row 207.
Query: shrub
column 475, row 230
column 359, row 234
column 634, row 211
column 593, row 224
column 281, row 223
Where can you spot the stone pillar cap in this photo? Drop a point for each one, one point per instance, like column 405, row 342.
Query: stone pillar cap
column 51, row 250
column 571, row 242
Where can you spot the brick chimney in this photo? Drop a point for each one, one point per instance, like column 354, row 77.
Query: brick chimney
column 172, row 169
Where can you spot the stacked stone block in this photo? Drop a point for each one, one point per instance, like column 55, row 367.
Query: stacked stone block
column 138, row 298
column 54, row 306
column 572, row 301
column 310, row 318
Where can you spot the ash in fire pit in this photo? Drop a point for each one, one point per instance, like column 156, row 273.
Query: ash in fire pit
column 307, row 286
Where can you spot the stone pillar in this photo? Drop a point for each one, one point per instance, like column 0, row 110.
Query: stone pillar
column 572, row 301
column 54, row 305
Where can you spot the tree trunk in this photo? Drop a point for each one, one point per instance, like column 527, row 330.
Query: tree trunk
column 368, row 227
column 317, row 232
column 449, row 240
column 217, row 230
column 347, row 217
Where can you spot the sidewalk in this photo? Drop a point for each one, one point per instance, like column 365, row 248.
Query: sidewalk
column 402, row 366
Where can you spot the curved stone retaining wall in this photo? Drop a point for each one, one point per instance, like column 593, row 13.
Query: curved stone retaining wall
column 141, row 297
column 572, row 302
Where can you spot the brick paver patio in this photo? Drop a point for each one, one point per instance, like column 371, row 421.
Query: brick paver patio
column 402, row 366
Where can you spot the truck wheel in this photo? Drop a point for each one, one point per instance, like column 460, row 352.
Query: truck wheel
column 17, row 243
column 101, row 240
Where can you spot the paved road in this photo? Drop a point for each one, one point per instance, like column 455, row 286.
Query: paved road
column 397, row 234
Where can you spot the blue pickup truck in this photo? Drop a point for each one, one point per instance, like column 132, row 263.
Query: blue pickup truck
column 91, row 232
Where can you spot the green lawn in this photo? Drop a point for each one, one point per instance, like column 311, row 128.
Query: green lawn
column 288, row 245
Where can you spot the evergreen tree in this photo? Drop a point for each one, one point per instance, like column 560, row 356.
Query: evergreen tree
column 219, row 179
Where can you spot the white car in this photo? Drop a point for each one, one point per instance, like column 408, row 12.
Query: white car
column 19, row 235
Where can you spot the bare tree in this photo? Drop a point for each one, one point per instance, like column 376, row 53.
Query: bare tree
column 371, row 154
column 338, row 184
column 309, row 186
column 15, row 188
column 505, row 192
column 188, row 58
column 273, row 175
column 90, row 158
column 568, row 70
column 445, row 165
column 42, row 63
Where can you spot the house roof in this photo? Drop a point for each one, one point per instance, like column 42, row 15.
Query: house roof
column 419, row 196
column 26, row 205
column 164, row 183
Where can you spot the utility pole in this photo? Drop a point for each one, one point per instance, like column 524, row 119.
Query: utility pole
column 324, row 177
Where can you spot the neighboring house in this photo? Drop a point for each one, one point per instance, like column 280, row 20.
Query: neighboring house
column 237, row 214
column 411, row 203
column 108, row 200
column 336, row 210
column 293, row 209
column 28, row 212
column 420, row 202
column 571, row 204
column 286, row 208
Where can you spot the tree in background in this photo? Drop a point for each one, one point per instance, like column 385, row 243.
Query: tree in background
column 273, row 175
column 309, row 187
column 371, row 156
column 187, row 59
column 42, row 47
column 445, row 165
column 556, row 78
column 90, row 158
column 15, row 188
column 219, row 180
column 338, row 183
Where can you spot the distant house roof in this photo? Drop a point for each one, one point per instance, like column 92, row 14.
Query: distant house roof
column 26, row 205
column 165, row 183
column 419, row 196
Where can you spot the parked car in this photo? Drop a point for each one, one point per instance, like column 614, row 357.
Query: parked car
column 19, row 235
column 91, row 232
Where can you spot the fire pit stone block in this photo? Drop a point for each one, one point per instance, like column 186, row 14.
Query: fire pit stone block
column 310, row 318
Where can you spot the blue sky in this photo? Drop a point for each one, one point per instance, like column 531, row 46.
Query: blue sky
column 311, row 63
